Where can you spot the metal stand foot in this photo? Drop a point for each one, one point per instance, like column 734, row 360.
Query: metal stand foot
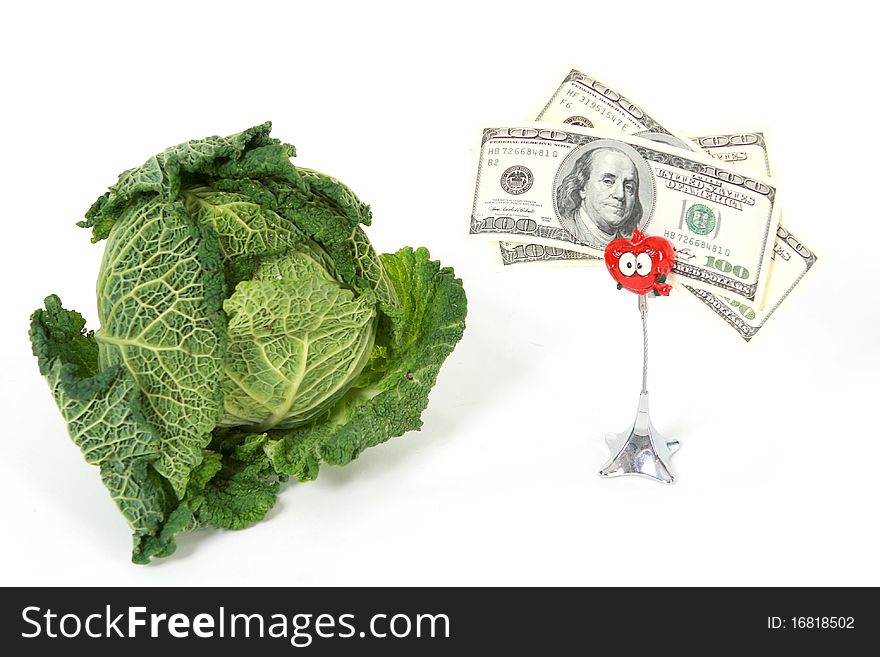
column 641, row 450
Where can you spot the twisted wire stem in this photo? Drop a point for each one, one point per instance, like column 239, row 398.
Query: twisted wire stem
column 643, row 309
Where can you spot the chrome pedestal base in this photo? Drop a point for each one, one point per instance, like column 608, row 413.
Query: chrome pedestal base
column 641, row 450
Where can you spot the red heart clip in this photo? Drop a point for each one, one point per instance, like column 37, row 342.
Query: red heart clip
column 641, row 264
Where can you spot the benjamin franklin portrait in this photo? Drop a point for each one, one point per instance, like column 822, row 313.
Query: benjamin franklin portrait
column 598, row 201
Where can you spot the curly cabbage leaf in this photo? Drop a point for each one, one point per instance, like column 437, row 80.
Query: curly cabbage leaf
column 160, row 289
column 297, row 340
column 392, row 391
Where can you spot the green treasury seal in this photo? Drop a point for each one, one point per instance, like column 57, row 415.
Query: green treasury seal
column 700, row 219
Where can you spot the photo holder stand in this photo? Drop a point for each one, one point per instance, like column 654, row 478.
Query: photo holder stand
column 641, row 450
column 640, row 265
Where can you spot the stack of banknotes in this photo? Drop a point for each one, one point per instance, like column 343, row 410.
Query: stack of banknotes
column 595, row 165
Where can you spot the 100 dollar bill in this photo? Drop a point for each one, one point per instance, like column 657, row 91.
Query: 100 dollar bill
column 581, row 99
column 572, row 188
column 792, row 259
column 747, row 150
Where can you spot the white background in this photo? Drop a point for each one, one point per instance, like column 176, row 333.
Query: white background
column 778, row 469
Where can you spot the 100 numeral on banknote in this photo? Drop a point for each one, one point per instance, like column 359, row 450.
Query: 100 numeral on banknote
column 573, row 188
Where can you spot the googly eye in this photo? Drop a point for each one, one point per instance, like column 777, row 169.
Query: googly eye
column 644, row 264
column 627, row 264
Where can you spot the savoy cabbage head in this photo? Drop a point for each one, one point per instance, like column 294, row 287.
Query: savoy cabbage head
column 248, row 333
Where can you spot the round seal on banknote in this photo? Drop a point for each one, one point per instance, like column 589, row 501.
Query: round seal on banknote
column 582, row 121
column 517, row 180
column 700, row 219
